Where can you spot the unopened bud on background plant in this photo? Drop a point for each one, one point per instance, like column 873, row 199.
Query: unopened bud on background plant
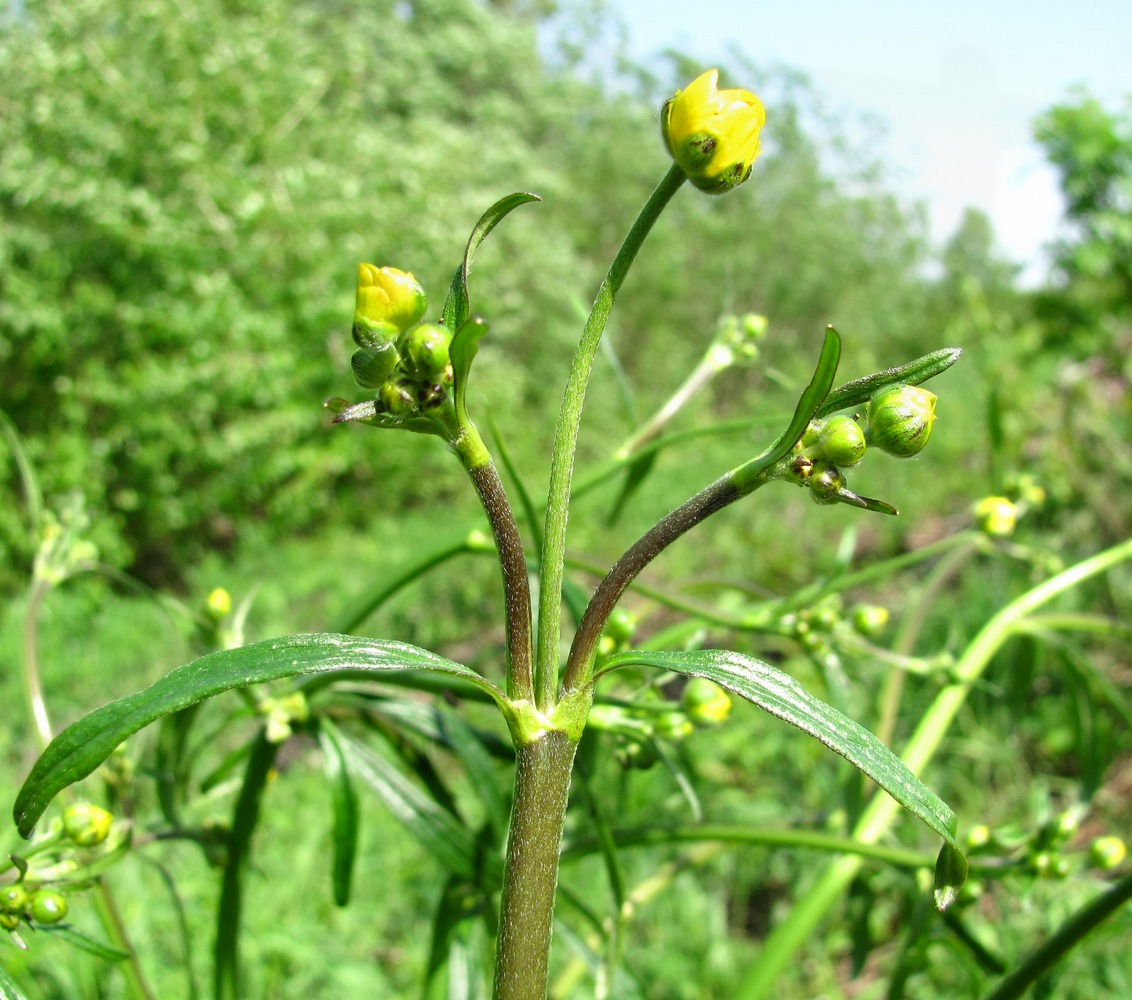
column 842, row 441
column 13, row 899
column 996, row 516
column 218, row 604
column 705, row 702
column 1107, row 853
column 869, row 619
column 389, row 301
column 47, row 906
column 712, row 134
column 86, row 824
column 900, row 420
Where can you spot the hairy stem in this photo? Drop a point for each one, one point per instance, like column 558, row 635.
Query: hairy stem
column 566, row 441
column 542, row 788
column 708, row 501
column 516, row 586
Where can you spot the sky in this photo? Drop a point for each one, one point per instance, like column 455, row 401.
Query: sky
column 957, row 83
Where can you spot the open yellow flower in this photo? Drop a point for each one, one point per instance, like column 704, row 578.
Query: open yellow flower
column 389, row 301
column 712, row 134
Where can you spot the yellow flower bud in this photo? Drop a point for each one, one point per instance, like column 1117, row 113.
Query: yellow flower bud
column 218, row 604
column 705, row 702
column 996, row 516
column 389, row 302
column 900, row 419
column 713, row 135
column 86, row 824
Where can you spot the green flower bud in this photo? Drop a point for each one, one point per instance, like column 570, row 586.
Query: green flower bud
column 825, row 482
column 426, row 351
column 674, row 726
column 996, row 516
column 712, row 134
column 900, row 419
column 13, row 899
column 870, row 619
column 841, row 440
column 397, row 398
column 86, row 824
column 705, row 702
column 373, row 365
column 47, row 906
column 1107, row 853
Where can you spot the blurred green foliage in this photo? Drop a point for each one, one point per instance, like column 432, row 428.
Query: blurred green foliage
column 186, row 190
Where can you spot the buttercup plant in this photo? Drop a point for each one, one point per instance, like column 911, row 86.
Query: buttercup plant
column 417, row 372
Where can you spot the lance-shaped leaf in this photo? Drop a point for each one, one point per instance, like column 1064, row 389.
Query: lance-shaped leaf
column 345, row 810
column 913, row 373
column 83, row 746
column 457, row 307
column 808, row 406
column 783, row 697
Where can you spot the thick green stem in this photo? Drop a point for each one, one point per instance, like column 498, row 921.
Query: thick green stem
column 566, row 441
column 778, row 950
column 542, row 788
column 654, row 541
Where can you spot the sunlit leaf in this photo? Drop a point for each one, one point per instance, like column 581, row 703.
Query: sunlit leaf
column 783, row 697
column 83, row 746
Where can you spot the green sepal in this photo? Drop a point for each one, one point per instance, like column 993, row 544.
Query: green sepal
column 913, row 373
column 457, row 307
column 373, row 365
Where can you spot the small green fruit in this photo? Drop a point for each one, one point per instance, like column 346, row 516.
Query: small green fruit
column 47, row 906
column 13, row 898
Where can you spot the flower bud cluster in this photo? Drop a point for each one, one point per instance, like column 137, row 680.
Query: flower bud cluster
column 897, row 420
column 998, row 516
column 407, row 362
column 1046, row 852
column 35, row 905
column 640, row 728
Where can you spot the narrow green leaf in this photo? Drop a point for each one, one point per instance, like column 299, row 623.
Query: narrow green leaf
column 636, row 472
column 808, row 406
column 82, row 747
column 456, row 967
column 344, row 800
column 457, row 307
column 245, row 818
column 783, row 697
column 84, row 943
column 913, row 373
column 9, row 988
column 433, row 827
